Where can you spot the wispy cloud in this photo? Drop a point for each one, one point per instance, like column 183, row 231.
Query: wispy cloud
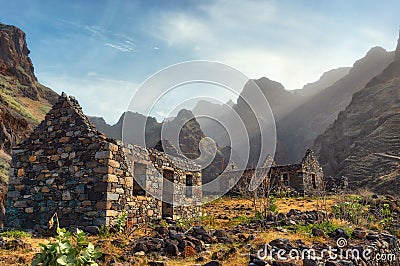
column 116, row 40
column 292, row 44
column 125, row 47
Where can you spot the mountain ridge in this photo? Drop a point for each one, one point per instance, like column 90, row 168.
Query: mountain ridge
column 23, row 100
column 364, row 141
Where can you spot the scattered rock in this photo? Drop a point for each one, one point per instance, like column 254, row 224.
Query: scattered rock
column 188, row 251
column 219, row 255
column 140, row 253
column 93, row 230
column 339, row 233
column 213, row 263
column 171, row 249
column 309, row 262
column 157, row 263
column 317, row 232
column 220, row 233
column 359, row 233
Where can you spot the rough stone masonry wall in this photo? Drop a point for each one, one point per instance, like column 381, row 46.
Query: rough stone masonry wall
column 299, row 176
column 181, row 167
column 293, row 179
column 58, row 169
column 312, row 170
column 145, row 208
column 69, row 168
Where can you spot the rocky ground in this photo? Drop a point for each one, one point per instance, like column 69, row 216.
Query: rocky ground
column 230, row 235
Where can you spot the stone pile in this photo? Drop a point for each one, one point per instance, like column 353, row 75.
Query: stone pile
column 173, row 242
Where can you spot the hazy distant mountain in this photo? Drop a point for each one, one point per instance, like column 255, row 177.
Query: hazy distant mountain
column 299, row 128
column 364, row 142
column 327, row 79
column 300, row 115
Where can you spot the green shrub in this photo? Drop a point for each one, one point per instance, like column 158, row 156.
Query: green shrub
column 328, row 227
column 104, row 232
column 387, row 218
column 163, row 223
column 272, row 207
column 184, row 224
column 352, row 210
column 69, row 249
column 120, row 224
column 15, row 234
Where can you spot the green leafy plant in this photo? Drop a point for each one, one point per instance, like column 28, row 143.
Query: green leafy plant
column 387, row 219
column 120, row 224
column 258, row 216
column 104, row 232
column 206, row 221
column 163, row 223
column 352, row 210
column 272, row 207
column 326, row 226
column 69, row 249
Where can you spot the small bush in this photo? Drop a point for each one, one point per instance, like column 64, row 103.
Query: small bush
column 15, row 234
column 328, row 227
column 387, row 218
column 184, row 224
column 272, row 207
column 352, row 210
column 120, row 224
column 104, row 232
column 163, row 223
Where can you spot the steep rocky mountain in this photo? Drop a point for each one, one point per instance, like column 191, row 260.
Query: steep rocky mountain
column 134, row 123
column 364, row 142
column 280, row 100
column 23, row 100
column 190, row 135
column 299, row 128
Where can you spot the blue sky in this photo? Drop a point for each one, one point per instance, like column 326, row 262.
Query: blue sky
column 101, row 51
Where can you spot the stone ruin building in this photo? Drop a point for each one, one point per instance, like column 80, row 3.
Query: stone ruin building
column 304, row 178
column 68, row 167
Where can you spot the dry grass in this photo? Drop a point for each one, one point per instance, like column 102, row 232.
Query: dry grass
column 37, row 108
column 227, row 211
column 120, row 250
column 22, row 256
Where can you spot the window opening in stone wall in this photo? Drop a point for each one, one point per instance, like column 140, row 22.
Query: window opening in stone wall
column 285, row 180
column 314, row 181
column 139, row 182
column 168, row 194
column 189, row 186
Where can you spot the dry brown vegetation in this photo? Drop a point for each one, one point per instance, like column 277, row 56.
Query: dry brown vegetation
column 222, row 213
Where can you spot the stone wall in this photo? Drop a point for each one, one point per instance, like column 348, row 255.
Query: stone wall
column 305, row 177
column 68, row 167
column 313, row 175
